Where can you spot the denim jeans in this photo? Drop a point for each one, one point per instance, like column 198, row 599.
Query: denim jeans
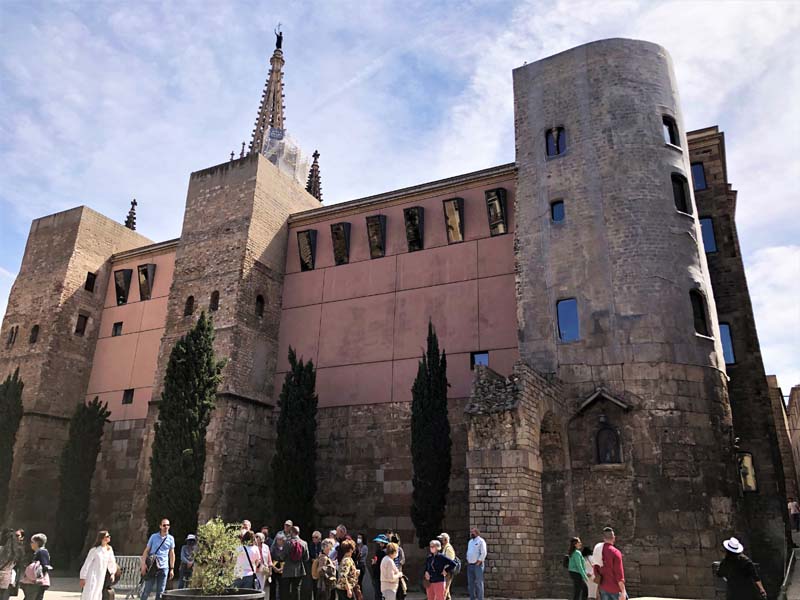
column 159, row 581
column 475, row 581
column 609, row 595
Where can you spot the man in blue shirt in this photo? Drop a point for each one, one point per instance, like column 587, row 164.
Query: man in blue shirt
column 161, row 547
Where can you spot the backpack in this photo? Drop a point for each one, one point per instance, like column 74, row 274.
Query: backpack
column 315, row 569
column 457, row 568
column 295, row 551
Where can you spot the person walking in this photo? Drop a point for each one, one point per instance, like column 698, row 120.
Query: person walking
column 362, row 551
column 276, row 551
column 326, row 572
column 437, row 565
column 246, row 562
column 264, row 570
column 347, row 574
column 294, row 556
column 740, row 573
column 187, row 561
column 381, row 542
column 476, row 562
column 449, row 552
column 36, row 579
column 577, row 570
column 99, row 562
column 589, row 569
column 11, row 553
column 611, row 571
column 794, row 513
column 390, row 574
column 157, row 562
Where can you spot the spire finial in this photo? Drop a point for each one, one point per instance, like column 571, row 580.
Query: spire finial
column 130, row 221
column 270, row 112
column 314, row 186
column 241, row 154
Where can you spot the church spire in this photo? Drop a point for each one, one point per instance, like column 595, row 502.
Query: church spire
column 314, row 187
column 270, row 111
column 130, row 221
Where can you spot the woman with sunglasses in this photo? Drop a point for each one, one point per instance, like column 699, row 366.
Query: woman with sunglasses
column 99, row 562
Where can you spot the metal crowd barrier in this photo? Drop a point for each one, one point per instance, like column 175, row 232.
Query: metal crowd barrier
column 130, row 582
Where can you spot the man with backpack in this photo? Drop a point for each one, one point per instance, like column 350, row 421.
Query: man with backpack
column 294, row 555
column 449, row 552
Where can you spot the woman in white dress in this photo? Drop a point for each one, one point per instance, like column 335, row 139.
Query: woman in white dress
column 99, row 561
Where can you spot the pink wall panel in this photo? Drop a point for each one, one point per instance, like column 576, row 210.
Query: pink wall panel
column 154, row 314
column 121, row 412
column 113, row 363
column 496, row 255
column 498, row 312
column 300, row 289
column 300, row 328
column 459, row 375
column 403, row 378
column 357, row 330
column 365, row 278
column 144, row 365
column 129, row 314
column 502, row 361
column 453, row 308
column 356, row 384
column 446, row 264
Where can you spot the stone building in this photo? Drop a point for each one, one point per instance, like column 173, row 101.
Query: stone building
column 588, row 296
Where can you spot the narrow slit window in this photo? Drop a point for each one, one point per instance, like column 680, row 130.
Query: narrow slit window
column 556, row 141
column 414, row 218
column 698, row 176
column 670, row 131
column 127, row 397
column 80, row 326
column 88, row 285
column 12, row 336
column 454, row 219
column 727, row 343
column 122, row 283
column 747, row 472
column 478, row 358
column 496, row 211
column 34, row 337
column 707, row 230
column 567, row 313
column 609, row 449
column 557, row 213
column 259, row 306
column 213, row 304
column 307, row 246
column 147, row 277
column 116, row 329
column 188, row 308
column 680, row 194
column 376, row 234
column 699, row 312
column 340, row 237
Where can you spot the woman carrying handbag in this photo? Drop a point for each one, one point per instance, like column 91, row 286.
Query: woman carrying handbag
column 36, row 579
column 99, row 569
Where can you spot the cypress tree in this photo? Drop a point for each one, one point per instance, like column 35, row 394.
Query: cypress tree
column 294, row 466
column 179, row 446
column 10, row 417
column 78, row 460
column 430, row 442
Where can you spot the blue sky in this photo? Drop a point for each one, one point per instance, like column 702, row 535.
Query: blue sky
column 105, row 101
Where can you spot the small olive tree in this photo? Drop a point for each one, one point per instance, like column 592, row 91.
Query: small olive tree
column 215, row 557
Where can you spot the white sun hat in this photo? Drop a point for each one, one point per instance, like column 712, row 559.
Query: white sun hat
column 733, row 545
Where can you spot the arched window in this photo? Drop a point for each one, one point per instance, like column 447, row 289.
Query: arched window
column 259, row 306
column 555, row 141
column 699, row 312
column 609, row 449
column 680, row 193
column 213, row 305
column 34, row 334
column 188, row 308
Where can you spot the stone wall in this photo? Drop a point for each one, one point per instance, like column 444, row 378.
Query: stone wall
column 782, row 427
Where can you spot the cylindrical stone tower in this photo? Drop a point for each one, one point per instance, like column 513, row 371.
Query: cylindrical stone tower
column 614, row 297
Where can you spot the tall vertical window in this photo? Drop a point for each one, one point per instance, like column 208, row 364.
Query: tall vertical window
column 147, row 277
column 12, row 336
column 259, row 306
column 88, row 285
column 707, row 230
column 698, row 176
column 496, row 210
column 670, row 131
column 557, row 213
column 699, row 312
column 213, row 304
column 567, row 312
column 680, row 193
column 727, row 343
column 127, row 397
column 188, row 308
column 555, row 141
column 307, row 245
column 454, row 219
column 376, row 234
column 80, row 326
column 609, row 448
column 122, row 283
column 340, row 237
column 34, row 334
column 415, row 221
column 116, row 329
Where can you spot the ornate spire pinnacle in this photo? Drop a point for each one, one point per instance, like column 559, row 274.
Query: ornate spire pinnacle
column 130, row 221
column 270, row 111
column 314, row 187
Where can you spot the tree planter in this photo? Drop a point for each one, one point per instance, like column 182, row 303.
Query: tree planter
column 230, row 594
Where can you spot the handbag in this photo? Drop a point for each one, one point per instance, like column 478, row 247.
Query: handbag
column 36, row 574
column 108, row 584
column 256, row 582
column 151, row 563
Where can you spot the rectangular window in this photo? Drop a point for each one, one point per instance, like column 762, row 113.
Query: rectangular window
column 557, row 211
column 707, row 229
column 89, row 284
column 680, row 194
column 698, row 176
column 555, row 141
column 147, row 276
column 496, row 209
column 127, row 397
column 567, row 310
column 116, row 329
column 122, row 283
column 478, row 358
column 670, row 131
column 727, row 343
column 454, row 219
column 307, row 244
column 340, row 236
column 80, row 326
column 376, row 234
column 415, row 221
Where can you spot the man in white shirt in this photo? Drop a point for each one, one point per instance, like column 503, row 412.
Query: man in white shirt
column 476, row 560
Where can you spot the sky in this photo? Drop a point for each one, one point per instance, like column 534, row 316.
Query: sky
column 106, row 101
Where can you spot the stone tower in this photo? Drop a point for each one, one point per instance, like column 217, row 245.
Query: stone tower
column 614, row 298
column 54, row 311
